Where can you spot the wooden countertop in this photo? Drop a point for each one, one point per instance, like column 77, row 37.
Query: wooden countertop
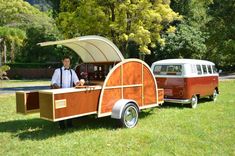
column 69, row 90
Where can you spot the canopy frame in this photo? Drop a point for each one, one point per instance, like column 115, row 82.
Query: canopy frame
column 91, row 48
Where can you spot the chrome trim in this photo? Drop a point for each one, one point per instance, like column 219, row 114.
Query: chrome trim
column 183, row 101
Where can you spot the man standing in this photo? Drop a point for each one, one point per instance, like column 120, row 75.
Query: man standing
column 65, row 77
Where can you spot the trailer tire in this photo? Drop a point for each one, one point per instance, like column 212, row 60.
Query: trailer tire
column 130, row 115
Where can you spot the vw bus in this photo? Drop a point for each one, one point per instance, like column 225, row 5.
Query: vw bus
column 186, row 80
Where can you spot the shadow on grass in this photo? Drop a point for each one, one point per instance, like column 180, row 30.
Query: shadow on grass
column 38, row 129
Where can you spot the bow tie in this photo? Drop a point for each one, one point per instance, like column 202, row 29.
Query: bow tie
column 66, row 68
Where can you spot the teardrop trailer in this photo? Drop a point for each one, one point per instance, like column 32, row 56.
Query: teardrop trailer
column 127, row 87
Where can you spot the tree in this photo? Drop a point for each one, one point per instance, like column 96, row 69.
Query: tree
column 32, row 52
column 17, row 18
column 195, row 12
column 221, row 42
column 22, row 15
column 214, row 19
column 123, row 21
column 14, row 37
column 186, row 42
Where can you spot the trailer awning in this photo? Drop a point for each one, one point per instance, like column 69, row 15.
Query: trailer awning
column 91, row 48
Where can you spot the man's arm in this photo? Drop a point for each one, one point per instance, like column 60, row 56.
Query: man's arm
column 75, row 78
column 55, row 79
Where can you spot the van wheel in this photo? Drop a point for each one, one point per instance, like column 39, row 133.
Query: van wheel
column 213, row 97
column 129, row 116
column 194, row 101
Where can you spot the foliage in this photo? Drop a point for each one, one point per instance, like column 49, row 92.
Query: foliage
column 14, row 37
column 141, row 21
column 20, row 14
column 221, row 43
column 186, row 42
column 168, row 28
column 214, row 21
column 3, row 70
column 193, row 11
column 29, row 27
column 189, row 38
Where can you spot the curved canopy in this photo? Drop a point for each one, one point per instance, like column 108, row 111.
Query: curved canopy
column 91, row 48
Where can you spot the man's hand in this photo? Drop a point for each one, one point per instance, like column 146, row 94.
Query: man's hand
column 80, row 83
column 55, row 86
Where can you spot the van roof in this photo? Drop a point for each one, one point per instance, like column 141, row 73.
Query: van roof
column 183, row 61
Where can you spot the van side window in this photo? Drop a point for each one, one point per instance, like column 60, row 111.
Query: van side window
column 214, row 69
column 209, row 69
column 193, row 68
column 199, row 70
column 204, row 69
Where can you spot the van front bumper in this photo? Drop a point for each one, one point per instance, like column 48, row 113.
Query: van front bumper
column 183, row 101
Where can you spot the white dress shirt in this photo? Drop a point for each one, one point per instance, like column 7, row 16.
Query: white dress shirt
column 66, row 78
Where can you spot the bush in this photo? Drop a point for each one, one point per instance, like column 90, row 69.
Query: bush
column 3, row 72
column 34, row 65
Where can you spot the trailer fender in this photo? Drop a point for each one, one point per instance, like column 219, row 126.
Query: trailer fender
column 119, row 106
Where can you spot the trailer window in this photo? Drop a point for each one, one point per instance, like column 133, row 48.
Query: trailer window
column 167, row 70
column 204, row 69
column 199, row 70
column 209, row 69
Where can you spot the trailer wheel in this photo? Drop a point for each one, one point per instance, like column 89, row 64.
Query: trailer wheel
column 129, row 116
column 194, row 101
column 213, row 97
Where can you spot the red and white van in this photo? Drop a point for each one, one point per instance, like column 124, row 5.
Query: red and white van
column 186, row 80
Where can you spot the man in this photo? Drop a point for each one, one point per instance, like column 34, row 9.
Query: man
column 65, row 77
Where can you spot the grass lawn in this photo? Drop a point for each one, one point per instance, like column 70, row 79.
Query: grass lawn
column 169, row 130
column 21, row 83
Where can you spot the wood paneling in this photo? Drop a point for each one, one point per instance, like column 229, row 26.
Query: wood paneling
column 115, row 78
column 132, row 77
column 46, row 105
column 77, row 103
column 149, row 87
column 20, row 102
column 27, row 102
column 32, row 101
column 134, row 93
column 110, row 96
column 132, row 73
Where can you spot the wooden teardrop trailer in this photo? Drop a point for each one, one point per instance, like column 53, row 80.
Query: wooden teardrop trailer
column 128, row 87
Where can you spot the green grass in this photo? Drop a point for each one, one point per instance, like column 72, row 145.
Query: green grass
column 169, row 130
column 21, row 83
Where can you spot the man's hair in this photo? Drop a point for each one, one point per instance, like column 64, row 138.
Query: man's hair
column 66, row 57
